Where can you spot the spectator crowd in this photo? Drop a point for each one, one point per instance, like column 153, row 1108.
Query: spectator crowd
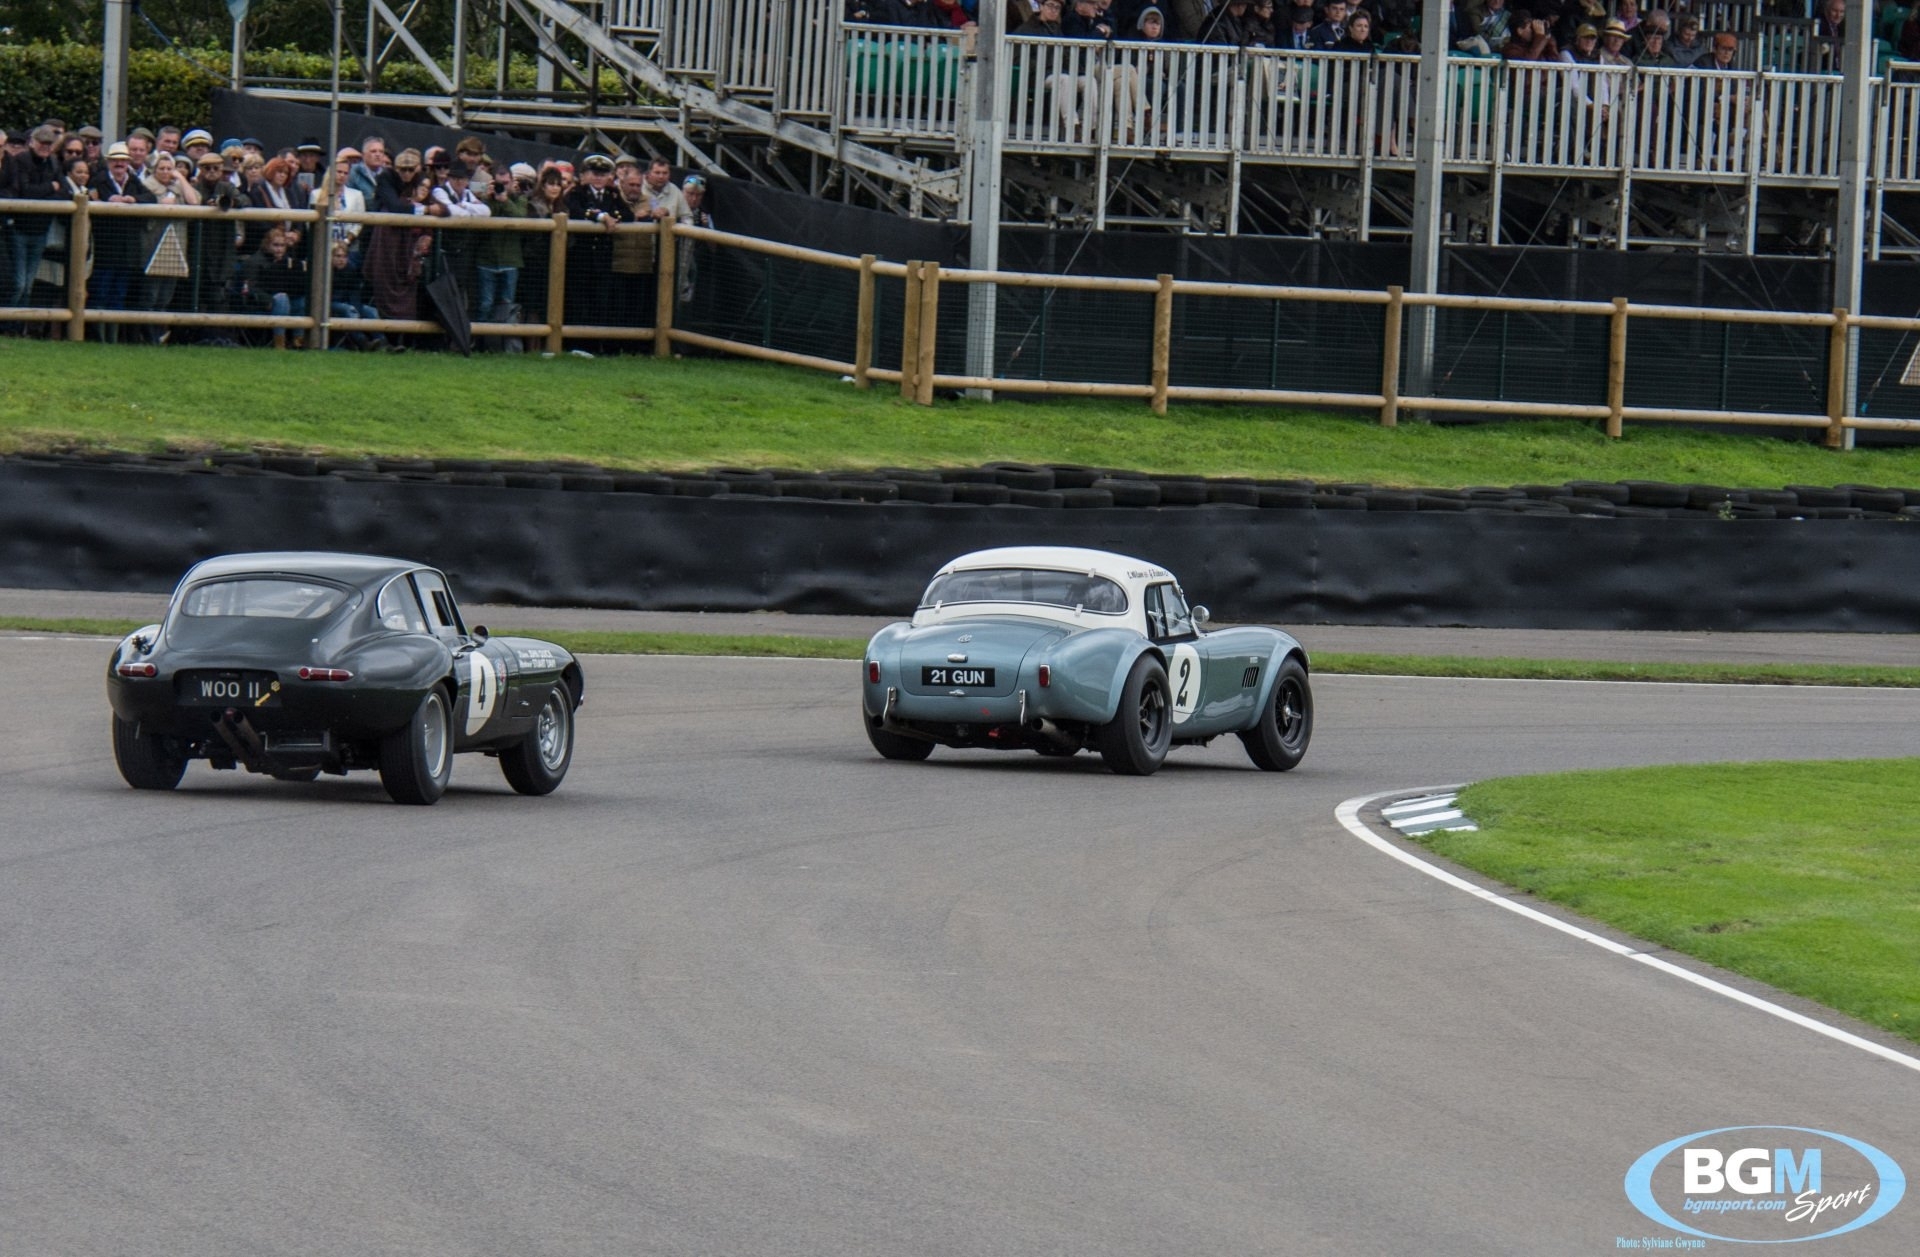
column 210, row 264
column 1544, row 30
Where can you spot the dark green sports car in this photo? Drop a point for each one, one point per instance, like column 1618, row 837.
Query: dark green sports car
column 295, row 664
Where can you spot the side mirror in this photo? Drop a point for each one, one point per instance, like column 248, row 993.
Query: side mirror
column 1201, row 615
column 479, row 634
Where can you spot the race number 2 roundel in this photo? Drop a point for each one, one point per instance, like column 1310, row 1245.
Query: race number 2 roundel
column 1183, row 674
column 486, row 692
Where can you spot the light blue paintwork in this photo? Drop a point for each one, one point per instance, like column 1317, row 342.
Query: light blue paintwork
column 1089, row 668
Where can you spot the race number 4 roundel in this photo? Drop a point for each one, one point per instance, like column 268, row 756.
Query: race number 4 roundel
column 486, row 692
column 1183, row 674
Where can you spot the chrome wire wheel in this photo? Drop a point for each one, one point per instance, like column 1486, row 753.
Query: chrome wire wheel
column 433, row 736
column 553, row 733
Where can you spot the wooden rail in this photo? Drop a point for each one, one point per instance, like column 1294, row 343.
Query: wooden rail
column 919, row 376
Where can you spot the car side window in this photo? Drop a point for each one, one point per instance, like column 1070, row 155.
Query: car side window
column 1167, row 614
column 398, row 609
column 443, row 618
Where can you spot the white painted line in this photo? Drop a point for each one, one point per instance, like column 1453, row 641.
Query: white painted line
column 1439, row 814
column 1415, row 805
column 1348, row 814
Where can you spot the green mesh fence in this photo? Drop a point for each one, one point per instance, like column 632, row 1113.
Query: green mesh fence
column 1303, row 346
column 773, row 302
column 1889, row 374
column 1726, row 366
column 1506, row 355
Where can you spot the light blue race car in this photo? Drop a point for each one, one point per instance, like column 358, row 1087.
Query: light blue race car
column 1057, row 650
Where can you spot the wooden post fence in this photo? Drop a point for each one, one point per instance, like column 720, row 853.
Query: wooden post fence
column 1390, row 358
column 929, row 332
column 557, row 284
column 1162, row 342
column 863, row 327
column 666, row 290
column 910, row 335
column 1837, row 381
column 79, row 246
column 1617, row 368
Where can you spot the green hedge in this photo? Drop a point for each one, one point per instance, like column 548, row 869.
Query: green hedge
column 39, row 81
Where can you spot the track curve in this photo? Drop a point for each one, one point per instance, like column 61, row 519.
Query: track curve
column 742, row 987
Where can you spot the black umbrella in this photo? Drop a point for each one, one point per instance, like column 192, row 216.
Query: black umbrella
column 450, row 310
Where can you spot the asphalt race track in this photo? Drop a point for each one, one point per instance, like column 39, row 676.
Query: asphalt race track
column 743, row 988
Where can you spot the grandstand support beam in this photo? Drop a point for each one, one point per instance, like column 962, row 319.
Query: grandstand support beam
column 601, row 44
column 985, row 158
column 113, row 70
column 1850, row 217
column 1429, row 132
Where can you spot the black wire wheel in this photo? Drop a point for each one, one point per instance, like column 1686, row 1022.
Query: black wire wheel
column 1135, row 742
column 1279, row 742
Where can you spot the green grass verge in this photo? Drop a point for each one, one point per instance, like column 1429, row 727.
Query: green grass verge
column 1804, row 876
column 795, row 646
column 641, row 413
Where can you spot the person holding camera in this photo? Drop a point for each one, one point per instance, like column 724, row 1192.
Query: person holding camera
column 499, row 256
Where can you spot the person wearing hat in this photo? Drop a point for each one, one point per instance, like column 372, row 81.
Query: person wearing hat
column 1586, row 46
column 590, row 254
column 1654, row 53
column 1613, row 43
column 117, row 255
column 32, row 174
column 1722, row 53
column 391, row 260
column 91, row 135
column 309, row 155
column 195, row 143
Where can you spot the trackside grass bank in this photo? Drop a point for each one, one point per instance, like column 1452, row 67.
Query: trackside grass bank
column 636, row 412
column 599, row 642
column 1804, row 876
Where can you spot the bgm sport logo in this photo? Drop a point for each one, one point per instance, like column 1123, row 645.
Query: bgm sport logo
column 1765, row 1184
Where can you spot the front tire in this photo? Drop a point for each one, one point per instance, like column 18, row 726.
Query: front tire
column 893, row 745
column 416, row 761
column 1134, row 743
column 538, row 762
column 1279, row 742
column 144, row 759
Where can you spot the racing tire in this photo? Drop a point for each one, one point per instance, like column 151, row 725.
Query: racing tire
column 892, row 745
column 144, row 759
column 1135, row 742
column 538, row 762
column 416, row 760
column 1279, row 742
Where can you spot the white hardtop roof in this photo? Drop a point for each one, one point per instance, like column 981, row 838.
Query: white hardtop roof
column 1115, row 567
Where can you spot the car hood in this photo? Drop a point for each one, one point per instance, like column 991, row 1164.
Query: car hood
column 997, row 644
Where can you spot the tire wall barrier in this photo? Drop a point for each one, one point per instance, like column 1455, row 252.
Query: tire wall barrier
column 76, row 526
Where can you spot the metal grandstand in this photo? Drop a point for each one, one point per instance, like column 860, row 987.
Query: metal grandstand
column 1195, row 138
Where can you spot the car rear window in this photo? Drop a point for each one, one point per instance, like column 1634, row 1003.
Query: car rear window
column 263, row 598
column 1080, row 590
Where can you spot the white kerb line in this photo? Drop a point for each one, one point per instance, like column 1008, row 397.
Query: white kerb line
column 1348, row 814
